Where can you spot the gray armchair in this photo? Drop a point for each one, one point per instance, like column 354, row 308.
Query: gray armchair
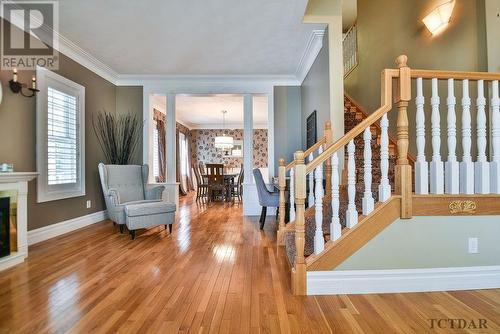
column 266, row 197
column 129, row 199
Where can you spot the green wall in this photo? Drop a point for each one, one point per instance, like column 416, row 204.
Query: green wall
column 388, row 28
column 430, row 242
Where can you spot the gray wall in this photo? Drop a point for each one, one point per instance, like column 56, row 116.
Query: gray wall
column 461, row 47
column 430, row 242
column 316, row 92
column 17, row 138
column 287, row 123
column 129, row 101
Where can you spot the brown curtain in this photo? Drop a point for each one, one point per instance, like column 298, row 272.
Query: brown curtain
column 160, row 126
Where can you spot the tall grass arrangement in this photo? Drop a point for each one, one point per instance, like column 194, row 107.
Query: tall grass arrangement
column 118, row 136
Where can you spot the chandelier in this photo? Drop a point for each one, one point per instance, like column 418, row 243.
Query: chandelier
column 224, row 142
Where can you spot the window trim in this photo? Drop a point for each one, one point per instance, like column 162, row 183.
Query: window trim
column 46, row 192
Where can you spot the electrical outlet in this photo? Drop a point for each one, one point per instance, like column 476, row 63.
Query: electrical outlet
column 473, row 245
column 89, row 204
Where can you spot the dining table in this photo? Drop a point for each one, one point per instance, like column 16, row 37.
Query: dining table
column 228, row 178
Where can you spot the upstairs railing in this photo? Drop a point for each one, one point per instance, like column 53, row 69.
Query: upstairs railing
column 350, row 50
column 454, row 177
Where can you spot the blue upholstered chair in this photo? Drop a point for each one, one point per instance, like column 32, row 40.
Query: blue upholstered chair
column 266, row 197
column 130, row 201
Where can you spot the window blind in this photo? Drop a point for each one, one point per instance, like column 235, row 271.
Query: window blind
column 62, row 142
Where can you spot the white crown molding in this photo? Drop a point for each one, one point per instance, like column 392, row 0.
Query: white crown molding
column 313, row 47
column 54, row 230
column 227, row 126
column 402, row 280
column 84, row 58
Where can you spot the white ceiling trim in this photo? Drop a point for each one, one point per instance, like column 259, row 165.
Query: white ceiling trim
column 84, row 58
column 313, row 47
column 220, row 126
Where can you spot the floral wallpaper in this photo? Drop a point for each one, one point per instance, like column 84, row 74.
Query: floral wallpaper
column 203, row 149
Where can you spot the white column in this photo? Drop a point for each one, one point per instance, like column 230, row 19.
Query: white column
column 170, row 133
column 319, row 241
column 437, row 172
column 421, row 165
column 292, row 194
column 352, row 213
column 248, row 137
column 466, row 165
column 482, row 166
column 495, row 138
column 335, row 227
column 310, row 198
column 452, row 184
column 384, row 188
column 368, row 202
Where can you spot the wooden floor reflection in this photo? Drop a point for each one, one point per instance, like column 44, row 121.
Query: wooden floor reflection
column 217, row 273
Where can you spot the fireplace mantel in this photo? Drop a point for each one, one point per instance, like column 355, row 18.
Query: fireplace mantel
column 18, row 181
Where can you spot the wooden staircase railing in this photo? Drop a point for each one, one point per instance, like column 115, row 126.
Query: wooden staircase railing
column 466, row 177
column 290, row 167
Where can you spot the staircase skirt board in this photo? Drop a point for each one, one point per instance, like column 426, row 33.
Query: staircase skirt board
column 402, row 280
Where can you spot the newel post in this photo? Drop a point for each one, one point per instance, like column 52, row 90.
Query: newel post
column 282, row 209
column 299, row 270
column 328, row 162
column 403, row 169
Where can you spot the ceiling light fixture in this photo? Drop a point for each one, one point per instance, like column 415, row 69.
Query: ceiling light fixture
column 224, row 142
column 439, row 17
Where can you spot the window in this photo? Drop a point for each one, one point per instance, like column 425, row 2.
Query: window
column 60, row 137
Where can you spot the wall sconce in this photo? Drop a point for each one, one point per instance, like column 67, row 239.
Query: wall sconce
column 439, row 17
column 17, row 87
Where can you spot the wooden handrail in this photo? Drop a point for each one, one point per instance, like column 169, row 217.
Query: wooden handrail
column 311, row 149
column 430, row 74
column 387, row 76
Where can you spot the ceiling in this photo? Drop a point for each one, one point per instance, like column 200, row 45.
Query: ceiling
column 204, row 111
column 190, row 37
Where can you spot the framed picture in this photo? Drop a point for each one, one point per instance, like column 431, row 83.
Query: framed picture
column 237, row 150
column 311, row 130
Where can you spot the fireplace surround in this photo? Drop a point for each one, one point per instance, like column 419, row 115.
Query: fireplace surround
column 14, row 186
column 4, row 226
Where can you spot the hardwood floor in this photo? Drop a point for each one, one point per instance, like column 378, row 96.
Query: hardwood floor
column 217, row 273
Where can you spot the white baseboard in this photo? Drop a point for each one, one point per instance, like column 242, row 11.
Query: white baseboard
column 54, row 230
column 402, row 280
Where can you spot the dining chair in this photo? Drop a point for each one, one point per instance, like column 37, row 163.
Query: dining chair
column 201, row 166
column 201, row 185
column 266, row 197
column 216, row 184
column 237, row 188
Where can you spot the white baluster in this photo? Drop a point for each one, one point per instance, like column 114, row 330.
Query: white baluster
column 310, row 198
column 292, row 194
column 437, row 170
column 482, row 166
column 319, row 241
column 384, row 188
column 368, row 202
column 452, row 184
column 466, row 165
column 421, row 165
column 352, row 213
column 335, row 227
column 495, row 138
